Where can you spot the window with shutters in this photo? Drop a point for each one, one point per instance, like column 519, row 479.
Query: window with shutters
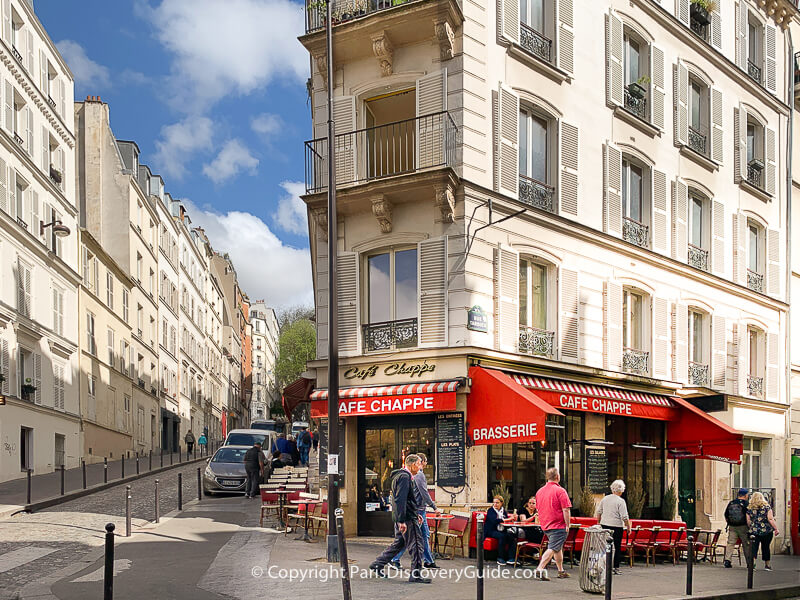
column 125, row 303
column 756, row 361
column 536, row 147
column 110, row 290
column 91, row 340
column 755, row 245
column 699, row 116
column 58, row 310
column 699, row 347
column 699, row 230
column 392, row 299
column 636, row 67
column 537, row 307
column 635, row 202
column 27, row 383
column 635, row 331
column 755, row 53
column 21, row 200
column 537, row 23
column 24, row 296
column 755, row 153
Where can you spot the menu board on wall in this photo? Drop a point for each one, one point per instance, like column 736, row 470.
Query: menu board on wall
column 597, row 469
column 450, row 458
column 323, row 447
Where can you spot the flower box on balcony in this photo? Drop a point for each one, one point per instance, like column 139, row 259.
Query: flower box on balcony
column 636, row 90
column 55, row 174
column 699, row 13
column 27, row 388
column 756, row 164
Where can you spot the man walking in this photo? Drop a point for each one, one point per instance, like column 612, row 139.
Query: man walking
column 407, row 521
column 189, row 439
column 553, row 505
column 303, row 446
column 254, row 467
column 424, row 499
column 736, row 518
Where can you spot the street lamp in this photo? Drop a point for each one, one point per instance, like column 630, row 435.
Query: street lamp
column 59, row 229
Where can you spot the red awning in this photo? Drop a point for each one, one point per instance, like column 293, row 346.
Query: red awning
column 696, row 434
column 295, row 394
column 389, row 399
column 501, row 411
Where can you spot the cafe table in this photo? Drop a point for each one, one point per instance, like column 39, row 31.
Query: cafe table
column 308, row 503
column 282, row 502
column 437, row 518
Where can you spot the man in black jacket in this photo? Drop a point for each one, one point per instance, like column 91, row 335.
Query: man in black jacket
column 407, row 521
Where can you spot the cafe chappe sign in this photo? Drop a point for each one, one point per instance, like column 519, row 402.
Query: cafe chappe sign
column 395, row 369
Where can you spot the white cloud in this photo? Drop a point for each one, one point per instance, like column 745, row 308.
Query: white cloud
column 266, row 267
column 179, row 142
column 235, row 46
column 291, row 215
column 233, row 157
column 267, row 124
column 88, row 73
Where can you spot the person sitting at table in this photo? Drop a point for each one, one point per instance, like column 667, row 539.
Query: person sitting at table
column 506, row 541
column 528, row 515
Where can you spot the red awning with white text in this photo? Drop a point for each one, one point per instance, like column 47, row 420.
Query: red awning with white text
column 389, row 399
column 696, row 434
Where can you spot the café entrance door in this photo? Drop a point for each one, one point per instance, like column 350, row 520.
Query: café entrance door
column 383, row 444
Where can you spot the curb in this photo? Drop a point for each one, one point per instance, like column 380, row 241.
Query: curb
column 776, row 593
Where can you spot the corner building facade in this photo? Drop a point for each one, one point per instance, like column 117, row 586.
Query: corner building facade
column 579, row 208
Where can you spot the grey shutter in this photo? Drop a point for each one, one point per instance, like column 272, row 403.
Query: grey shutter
column 12, row 193
column 565, row 36
column 569, row 316
column 770, row 53
column 29, row 51
column 657, row 93
column 612, row 190
column 732, row 369
column 614, row 52
column 681, row 103
column 45, row 151
column 740, row 144
column 431, row 102
column 660, row 212
column 773, row 262
column 62, row 97
column 347, row 297
column 680, row 342
column 718, row 238
column 433, row 292
column 43, row 74
column 58, row 386
column 5, row 366
column 741, row 35
column 719, row 352
column 716, row 26
column 506, row 299
column 507, row 142
column 8, row 96
column 770, row 155
column 37, row 377
column 7, row 21
column 612, row 326
column 773, row 367
column 23, row 288
column 568, row 184
column 716, row 125
column 3, row 186
column 661, row 363
column 509, row 20
column 29, row 131
column 344, row 114
column 740, row 249
column 682, row 11
column 680, row 220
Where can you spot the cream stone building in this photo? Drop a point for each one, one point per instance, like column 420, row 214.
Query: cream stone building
column 265, row 335
column 565, row 227
column 39, row 424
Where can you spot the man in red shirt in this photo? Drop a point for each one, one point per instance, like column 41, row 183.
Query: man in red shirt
column 553, row 505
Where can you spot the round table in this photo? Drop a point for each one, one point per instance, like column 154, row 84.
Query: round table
column 281, row 500
column 438, row 519
column 313, row 502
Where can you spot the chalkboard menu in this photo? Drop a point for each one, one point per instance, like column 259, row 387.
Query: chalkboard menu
column 450, row 460
column 597, row 469
column 323, row 447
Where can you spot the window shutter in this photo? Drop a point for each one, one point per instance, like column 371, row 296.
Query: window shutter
column 506, row 299
column 37, row 377
column 62, row 97
column 61, row 165
column 660, row 212
column 29, row 131
column 569, row 343
column 5, row 366
column 614, row 51
column 23, row 288
column 682, row 11
column 344, row 114
column 433, row 292
column 9, row 100
column 322, row 296
column 509, row 20
column 58, row 386
column 718, row 241
column 431, row 101
column 657, row 94
column 770, row 53
column 347, row 297
column 680, row 220
column 680, row 342
column 568, row 185
column 681, row 94
column 773, row 262
column 741, row 35
column 739, row 249
column 661, row 358
column 716, row 26
column 740, row 144
column 612, row 326
column 716, row 125
column 507, row 142
column 7, row 21
column 43, row 75
column 770, row 155
column 719, row 352
column 732, row 371
column 3, row 186
column 565, row 36
column 12, row 193
column 612, row 189
column 29, row 51
column 773, row 350
column 45, row 151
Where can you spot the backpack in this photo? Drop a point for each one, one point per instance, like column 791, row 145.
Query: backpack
column 735, row 513
column 306, row 438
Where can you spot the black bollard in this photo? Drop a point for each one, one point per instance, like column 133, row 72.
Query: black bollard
column 750, row 562
column 123, row 467
column 137, row 462
column 62, row 478
column 105, row 469
column 609, row 565
column 343, row 562
column 127, row 511
column 180, row 491
column 108, row 577
column 30, row 473
column 479, row 554
column 199, row 485
column 170, row 458
column 689, row 564
column 162, row 458
column 158, row 511
column 83, row 472
column 150, row 464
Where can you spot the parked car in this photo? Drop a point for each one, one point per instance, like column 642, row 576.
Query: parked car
column 225, row 471
column 248, row 437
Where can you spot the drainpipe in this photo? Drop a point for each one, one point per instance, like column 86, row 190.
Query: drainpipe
column 789, row 190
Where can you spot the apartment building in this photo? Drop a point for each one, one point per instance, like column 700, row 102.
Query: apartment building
column 265, row 335
column 223, row 272
column 246, row 333
column 39, row 424
column 561, row 242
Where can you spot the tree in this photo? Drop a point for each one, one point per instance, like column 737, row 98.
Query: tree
column 297, row 345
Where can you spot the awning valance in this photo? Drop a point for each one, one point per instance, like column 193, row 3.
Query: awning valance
column 696, row 434
column 501, row 411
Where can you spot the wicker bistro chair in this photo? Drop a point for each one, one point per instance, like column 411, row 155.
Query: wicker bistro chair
column 647, row 544
column 456, row 530
column 269, row 503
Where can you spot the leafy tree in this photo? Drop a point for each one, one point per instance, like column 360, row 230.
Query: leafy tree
column 296, row 345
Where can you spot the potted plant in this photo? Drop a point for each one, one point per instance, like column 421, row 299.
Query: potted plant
column 28, row 387
column 700, row 9
column 756, row 164
column 670, row 503
column 55, row 174
column 637, row 89
column 636, row 500
column 586, row 502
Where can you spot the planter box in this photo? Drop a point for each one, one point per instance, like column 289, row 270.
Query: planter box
column 756, row 164
column 636, row 90
column 699, row 14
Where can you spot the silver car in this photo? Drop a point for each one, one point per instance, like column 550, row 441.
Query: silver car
column 225, row 471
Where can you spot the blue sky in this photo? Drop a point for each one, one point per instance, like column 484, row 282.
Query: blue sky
column 213, row 92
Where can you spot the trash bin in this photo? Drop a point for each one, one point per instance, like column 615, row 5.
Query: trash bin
column 593, row 559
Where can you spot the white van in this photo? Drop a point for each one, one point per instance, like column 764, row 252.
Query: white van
column 248, row 437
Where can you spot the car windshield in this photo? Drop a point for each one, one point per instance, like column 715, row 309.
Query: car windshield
column 264, row 426
column 245, row 439
column 229, row 455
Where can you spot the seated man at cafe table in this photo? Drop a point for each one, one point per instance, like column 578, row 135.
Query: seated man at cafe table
column 506, row 540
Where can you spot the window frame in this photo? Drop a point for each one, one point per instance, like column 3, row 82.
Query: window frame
column 391, row 251
column 550, row 293
column 703, row 356
column 628, row 320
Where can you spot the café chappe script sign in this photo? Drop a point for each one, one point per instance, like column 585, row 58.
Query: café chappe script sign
column 402, row 369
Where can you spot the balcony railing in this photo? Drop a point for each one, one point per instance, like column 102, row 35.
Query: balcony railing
column 635, row 232
column 754, row 71
column 535, row 43
column 636, row 105
column 755, row 281
column 18, row 139
column 536, row 194
column 754, row 174
column 755, row 386
column 698, row 374
column 51, row 102
column 697, row 141
column 796, row 68
column 384, row 151
column 343, row 11
column 390, row 335
column 635, row 361
column 537, row 342
column 21, row 222
column 698, row 257
column 16, row 53
column 700, row 29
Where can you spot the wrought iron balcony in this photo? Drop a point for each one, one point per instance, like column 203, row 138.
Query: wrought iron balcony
column 536, row 194
column 754, row 71
column 755, row 172
column 343, row 11
column 537, row 342
column 535, row 43
column 697, row 141
column 18, row 139
column 21, row 222
column 755, row 281
column 701, row 30
column 51, row 102
column 755, row 386
column 636, row 105
column 698, row 257
column 635, row 232
column 698, row 374
column 635, row 361
column 390, row 335
column 384, row 151
column 16, row 53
